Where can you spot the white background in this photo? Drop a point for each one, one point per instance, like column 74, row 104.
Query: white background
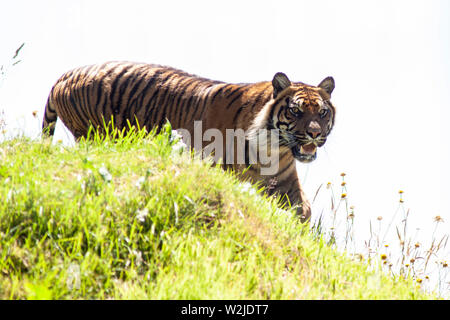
column 390, row 61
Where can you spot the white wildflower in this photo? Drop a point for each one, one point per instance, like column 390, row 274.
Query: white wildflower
column 142, row 215
column 140, row 182
column 9, row 195
column 175, row 207
column 178, row 146
column 105, row 174
column 138, row 257
column 247, row 187
column 175, row 136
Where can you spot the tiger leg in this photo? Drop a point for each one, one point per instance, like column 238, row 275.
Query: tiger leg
column 298, row 198
column 50, row 117
column 287, row 184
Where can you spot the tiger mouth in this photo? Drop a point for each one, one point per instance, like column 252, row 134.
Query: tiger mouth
column 305, row 153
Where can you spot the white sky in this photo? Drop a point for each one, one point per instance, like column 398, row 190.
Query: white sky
column 390, row 61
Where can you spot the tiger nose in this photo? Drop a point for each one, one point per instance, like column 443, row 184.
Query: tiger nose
column 313, row 129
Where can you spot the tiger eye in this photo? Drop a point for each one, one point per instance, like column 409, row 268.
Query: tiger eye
column 295, row 110
column 323, row 112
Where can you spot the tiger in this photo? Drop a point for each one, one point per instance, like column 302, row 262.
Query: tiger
column 148, row 95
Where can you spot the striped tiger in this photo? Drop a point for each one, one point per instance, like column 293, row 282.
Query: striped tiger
column 148, row 95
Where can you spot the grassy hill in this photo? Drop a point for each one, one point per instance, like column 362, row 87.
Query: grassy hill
column 139, row 219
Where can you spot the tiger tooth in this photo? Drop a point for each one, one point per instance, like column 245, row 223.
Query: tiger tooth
column 310, row 150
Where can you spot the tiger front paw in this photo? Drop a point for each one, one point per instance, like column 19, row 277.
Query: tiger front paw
column 304, row 211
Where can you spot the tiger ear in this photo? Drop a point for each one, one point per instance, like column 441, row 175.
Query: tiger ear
column 280, row 82
column 327, row 84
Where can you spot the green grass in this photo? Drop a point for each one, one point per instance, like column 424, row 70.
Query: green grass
column 134, row 219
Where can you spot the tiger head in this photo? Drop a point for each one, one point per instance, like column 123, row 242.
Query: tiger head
column 303, row 114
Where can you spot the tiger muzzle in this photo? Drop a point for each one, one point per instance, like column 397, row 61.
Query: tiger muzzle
column 307, row 150
column 305, row 153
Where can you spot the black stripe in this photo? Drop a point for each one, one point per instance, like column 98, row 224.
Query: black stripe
column 49, row 105
column 86, row 96
column 77, row 110
column 132, row 99
column 76, row 103
column 124, row 106
column 166, row 106
column 73, row 109
column 233, row 90
column 47, row 119
column 132, row 118
column 76, row 75
column 114, row 87
column 149, row 111
column 84, row 105
column 161, row 102
column 75, row 95
column 238, row 112
column 238, row 96
column 170, row 106
column 173, row 94
column 213, row 98
column 149, row 104
column 188, row 106
column 194, row 105
column 158, row 98
column 149, row 84
column 283, row 170
column 135, row 87
column 258, row 98
column 127, row 114
column 272, row 110
column 193, row 110
column 183, row 87
column 123, row 87
column 280, row 111
column 64, row 76
column 203, row 109
column 229, row 88
column 156, row 107
column 101, row 94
